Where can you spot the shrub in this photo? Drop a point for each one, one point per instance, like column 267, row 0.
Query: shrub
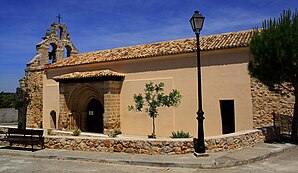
column 76, row 132
column 115, row 133
column 50, row 132
column 181, row 134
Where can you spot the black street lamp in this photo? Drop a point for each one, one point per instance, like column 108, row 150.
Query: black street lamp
column 197, row 21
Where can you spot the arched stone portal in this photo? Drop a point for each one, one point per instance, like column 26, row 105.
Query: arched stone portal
column 95, row 116
column 90, row 101
column 82, row 98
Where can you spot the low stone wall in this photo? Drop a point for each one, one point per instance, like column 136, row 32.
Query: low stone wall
column 227, row 142
column 132, row 145
column 235, row 141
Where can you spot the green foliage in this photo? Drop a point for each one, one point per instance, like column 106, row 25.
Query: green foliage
column 181, row 134
column 115, row 133
column 153, row 98
column 77, row 132
column 50, row 132
column 275, row 57
column 7, row 100
column 275, row 52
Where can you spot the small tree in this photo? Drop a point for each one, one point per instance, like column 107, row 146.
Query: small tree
column 153, row 98
column 275, row 58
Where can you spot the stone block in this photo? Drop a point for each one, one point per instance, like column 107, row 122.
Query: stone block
column 118, row 148
column 107, row 143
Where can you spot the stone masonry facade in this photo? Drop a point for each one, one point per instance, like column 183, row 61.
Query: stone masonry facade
column 112, row 106
column 34, row 87
column 265, row 102
column 51, row 49
column 112, row 113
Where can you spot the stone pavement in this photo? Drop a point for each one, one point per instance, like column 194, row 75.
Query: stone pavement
column 214, row 160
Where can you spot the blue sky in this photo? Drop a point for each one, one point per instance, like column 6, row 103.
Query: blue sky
column 103, row 24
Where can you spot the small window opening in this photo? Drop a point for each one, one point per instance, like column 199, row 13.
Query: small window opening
column 60, row 32
column 52, row 53
column 67, row 51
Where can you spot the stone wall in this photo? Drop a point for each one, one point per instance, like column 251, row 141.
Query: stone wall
column 34, row 84
column 266, row 102
column 8, row 115
column 112, row 113
column 112, row 106
column 227, row 142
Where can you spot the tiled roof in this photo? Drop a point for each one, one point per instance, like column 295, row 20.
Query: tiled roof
column 211, row 42
column 89, row 74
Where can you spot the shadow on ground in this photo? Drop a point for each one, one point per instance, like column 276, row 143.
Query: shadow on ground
column 20, row 148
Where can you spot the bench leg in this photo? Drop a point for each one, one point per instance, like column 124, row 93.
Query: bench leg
column 42, row 145
column 32, row 144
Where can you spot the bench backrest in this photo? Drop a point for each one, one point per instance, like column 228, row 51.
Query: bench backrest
column 34, row 132
column 16, row 131
column 25, row 131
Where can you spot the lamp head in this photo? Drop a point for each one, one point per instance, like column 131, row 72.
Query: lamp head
column 197, row 21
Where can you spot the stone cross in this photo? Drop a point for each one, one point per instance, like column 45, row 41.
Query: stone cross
column 59, row 18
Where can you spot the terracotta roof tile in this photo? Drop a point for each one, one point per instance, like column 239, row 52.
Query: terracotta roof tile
column 89, row 74
column 211, row 42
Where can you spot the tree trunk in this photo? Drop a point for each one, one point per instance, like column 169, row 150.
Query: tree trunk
column 153, row 133
column 294, row 134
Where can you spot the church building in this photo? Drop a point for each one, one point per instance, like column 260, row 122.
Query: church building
column 92, row 91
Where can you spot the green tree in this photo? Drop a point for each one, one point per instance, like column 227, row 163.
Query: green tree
column 153, row 98
column 7, row 100
column 275, row 57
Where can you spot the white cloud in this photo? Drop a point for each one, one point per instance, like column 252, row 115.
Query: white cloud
column 233, row 19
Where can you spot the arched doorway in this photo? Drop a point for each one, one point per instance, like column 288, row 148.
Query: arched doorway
column 53, row 119
column 95, row 116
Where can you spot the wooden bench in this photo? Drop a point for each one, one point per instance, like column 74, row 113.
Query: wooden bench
column 24, row 136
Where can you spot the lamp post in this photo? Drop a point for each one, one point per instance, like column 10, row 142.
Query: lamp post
column 197, row 21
